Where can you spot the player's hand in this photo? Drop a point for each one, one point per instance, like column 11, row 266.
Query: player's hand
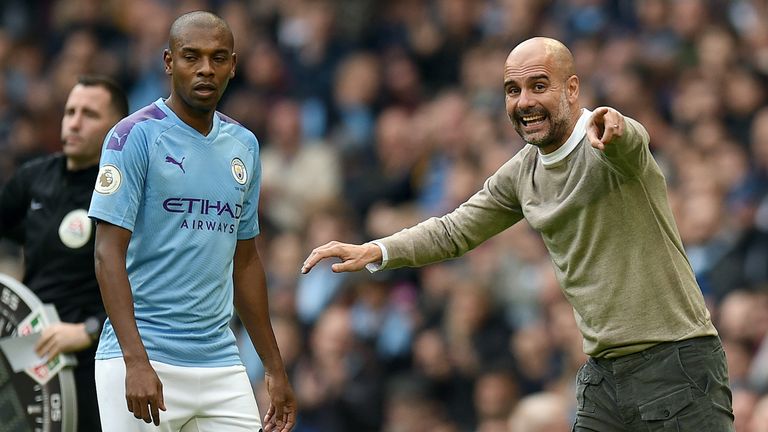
column 604, row 126
column 62, row 338
column 353, row 257
column 281, row 415
column 143, row 391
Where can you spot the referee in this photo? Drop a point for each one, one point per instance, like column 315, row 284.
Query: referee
column 44, row 207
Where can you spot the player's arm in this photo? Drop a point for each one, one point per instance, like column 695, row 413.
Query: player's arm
column 252, row 306
column 143, row 390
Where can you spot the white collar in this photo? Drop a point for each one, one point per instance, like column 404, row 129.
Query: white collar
column 552, row 159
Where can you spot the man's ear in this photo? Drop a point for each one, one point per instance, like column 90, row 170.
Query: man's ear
column 234, row 66
column 572, row 86
column 168, row 60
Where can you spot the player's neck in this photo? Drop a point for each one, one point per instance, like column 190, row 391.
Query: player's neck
column 199, row 120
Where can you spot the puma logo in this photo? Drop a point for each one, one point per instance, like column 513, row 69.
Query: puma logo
column 117, row 141
column 171, row 160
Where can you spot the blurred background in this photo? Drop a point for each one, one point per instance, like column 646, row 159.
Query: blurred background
column 373, row 115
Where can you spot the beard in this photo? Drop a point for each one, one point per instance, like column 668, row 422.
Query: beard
column 558, row 125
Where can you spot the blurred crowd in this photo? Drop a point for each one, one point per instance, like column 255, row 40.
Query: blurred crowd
column 373, row 115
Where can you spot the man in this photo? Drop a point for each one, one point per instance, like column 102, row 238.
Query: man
column 176, row 200
column 589, row 185
column 44, row 208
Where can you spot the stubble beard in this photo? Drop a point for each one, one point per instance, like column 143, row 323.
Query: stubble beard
column 557, row 129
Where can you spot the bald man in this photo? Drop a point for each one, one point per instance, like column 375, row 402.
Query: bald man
column 176, row 204
column 587, row 182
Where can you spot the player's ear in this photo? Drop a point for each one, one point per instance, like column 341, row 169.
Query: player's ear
column 168, row 60
column 234, row 66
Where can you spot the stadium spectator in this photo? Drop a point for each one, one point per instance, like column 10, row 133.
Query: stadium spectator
column 540, row 412
column 338, row 385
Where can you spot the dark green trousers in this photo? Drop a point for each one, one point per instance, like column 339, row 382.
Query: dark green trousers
column 673, row 386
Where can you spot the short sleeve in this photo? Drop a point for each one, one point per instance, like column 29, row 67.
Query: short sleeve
column 119, row 188
column 248, row 226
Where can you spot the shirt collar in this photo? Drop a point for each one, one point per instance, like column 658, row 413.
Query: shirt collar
column 557, row 156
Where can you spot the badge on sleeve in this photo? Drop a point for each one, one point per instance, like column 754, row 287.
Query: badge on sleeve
column 108, row 180
column 238, row 171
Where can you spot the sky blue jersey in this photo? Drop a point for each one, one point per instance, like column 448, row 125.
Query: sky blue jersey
column 187, row 198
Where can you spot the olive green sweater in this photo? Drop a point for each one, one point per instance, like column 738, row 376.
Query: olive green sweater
column 606, row 221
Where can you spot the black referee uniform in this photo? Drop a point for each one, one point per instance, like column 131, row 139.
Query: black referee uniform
column 44, row 208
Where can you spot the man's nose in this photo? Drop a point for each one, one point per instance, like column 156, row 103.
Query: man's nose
column 76, row 121
column 206, row 66
column 526, row 99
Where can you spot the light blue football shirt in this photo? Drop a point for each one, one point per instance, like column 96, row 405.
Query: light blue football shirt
column 187, row 198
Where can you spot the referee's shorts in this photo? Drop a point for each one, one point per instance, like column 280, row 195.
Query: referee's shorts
column 198, row 399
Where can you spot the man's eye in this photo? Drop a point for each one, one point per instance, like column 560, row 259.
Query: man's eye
column 539, row 87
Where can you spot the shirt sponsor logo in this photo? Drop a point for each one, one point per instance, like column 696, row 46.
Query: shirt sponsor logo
column 109, row 179
column 238, row 171
column 75, row 229
column 202, row 207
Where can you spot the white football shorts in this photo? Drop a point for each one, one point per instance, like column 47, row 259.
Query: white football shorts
column 198, row 399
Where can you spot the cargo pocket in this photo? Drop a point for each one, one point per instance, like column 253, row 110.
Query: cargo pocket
column 660, row 414
column 586, row 380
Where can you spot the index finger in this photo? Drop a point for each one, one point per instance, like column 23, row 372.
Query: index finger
column 319, row 253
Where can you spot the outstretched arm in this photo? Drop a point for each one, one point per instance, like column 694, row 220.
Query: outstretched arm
column 353, row 257
column 143, row 389
column 253, row 308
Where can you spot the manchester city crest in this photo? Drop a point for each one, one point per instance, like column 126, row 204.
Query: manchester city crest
column 238, row 171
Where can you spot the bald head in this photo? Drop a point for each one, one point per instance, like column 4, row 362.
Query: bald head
column 197, row 19
column 552, row 50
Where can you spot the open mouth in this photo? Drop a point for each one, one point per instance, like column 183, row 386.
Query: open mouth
column 532, row 119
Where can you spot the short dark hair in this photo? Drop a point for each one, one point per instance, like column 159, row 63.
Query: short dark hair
column 118, row 99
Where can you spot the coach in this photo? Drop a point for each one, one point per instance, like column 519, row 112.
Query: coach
column 587, row 182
